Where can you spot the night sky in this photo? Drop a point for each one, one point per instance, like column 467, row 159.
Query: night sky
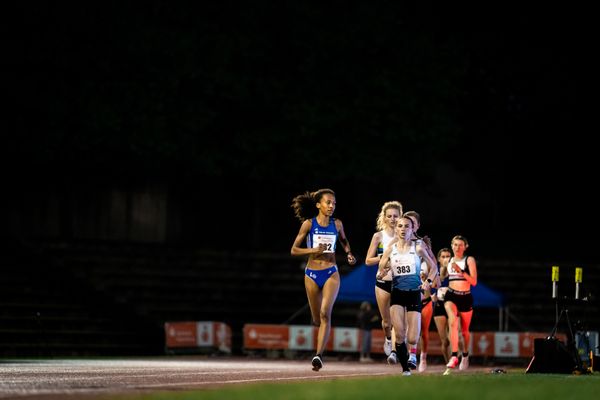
column 480, row 119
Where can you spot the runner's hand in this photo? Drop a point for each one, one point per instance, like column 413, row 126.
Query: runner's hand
column 351, row 258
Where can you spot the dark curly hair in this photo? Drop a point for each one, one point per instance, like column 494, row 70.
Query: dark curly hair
column 303, row 204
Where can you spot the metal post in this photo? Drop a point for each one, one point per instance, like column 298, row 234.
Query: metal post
column 578, row 280
column 555, row 290
column 554, row 281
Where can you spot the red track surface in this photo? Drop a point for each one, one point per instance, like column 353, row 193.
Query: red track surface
column 54, row 379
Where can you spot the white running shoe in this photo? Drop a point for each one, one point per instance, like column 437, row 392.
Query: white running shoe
column 406, row 373
column 464, row 363
column 317, row 363
column 392, row 358
column 423, row 363
column 412, row 361
column 387, row 346
column 453, row 362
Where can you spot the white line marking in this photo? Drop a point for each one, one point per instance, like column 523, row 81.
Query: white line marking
column 191, row 385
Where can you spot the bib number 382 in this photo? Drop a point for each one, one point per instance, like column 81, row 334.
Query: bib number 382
column 327, row 240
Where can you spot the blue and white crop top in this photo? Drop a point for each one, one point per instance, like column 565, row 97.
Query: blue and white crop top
column 322, row 234
column 406, row 268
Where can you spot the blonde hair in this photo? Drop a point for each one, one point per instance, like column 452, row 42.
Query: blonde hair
column 386, row 206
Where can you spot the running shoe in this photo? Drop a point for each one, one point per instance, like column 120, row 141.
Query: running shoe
column 453, row 362
column 317, row 363
column 406, row 373
column 387, row 346
column 464, row 363
column 412, row 361
column 392, row 358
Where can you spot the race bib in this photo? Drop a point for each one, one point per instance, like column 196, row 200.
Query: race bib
column 327, row 240
column 400, row 270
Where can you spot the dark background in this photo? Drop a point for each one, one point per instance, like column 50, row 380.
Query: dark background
column 479, row 119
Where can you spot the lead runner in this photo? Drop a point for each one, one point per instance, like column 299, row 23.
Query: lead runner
column 321, row 279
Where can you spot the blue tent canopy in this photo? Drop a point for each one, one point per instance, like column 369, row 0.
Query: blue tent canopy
column 359, row 285
column 483, row 296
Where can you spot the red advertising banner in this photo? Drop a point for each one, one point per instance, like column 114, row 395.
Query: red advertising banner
column 345, row 339
column 304, row 337
column 258, row 336
column 189, row 334
column 222, row 335
column 377, row 340
column 180, row 334
column 482, row 344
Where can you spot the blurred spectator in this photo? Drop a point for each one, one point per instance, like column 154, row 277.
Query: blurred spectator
column 366, row 319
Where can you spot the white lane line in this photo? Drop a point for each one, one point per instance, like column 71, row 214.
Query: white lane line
column 272, row 379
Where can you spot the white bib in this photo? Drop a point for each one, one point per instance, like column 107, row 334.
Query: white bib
column 327, row 240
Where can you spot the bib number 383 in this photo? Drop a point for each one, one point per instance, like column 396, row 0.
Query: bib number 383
column 402, row 270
